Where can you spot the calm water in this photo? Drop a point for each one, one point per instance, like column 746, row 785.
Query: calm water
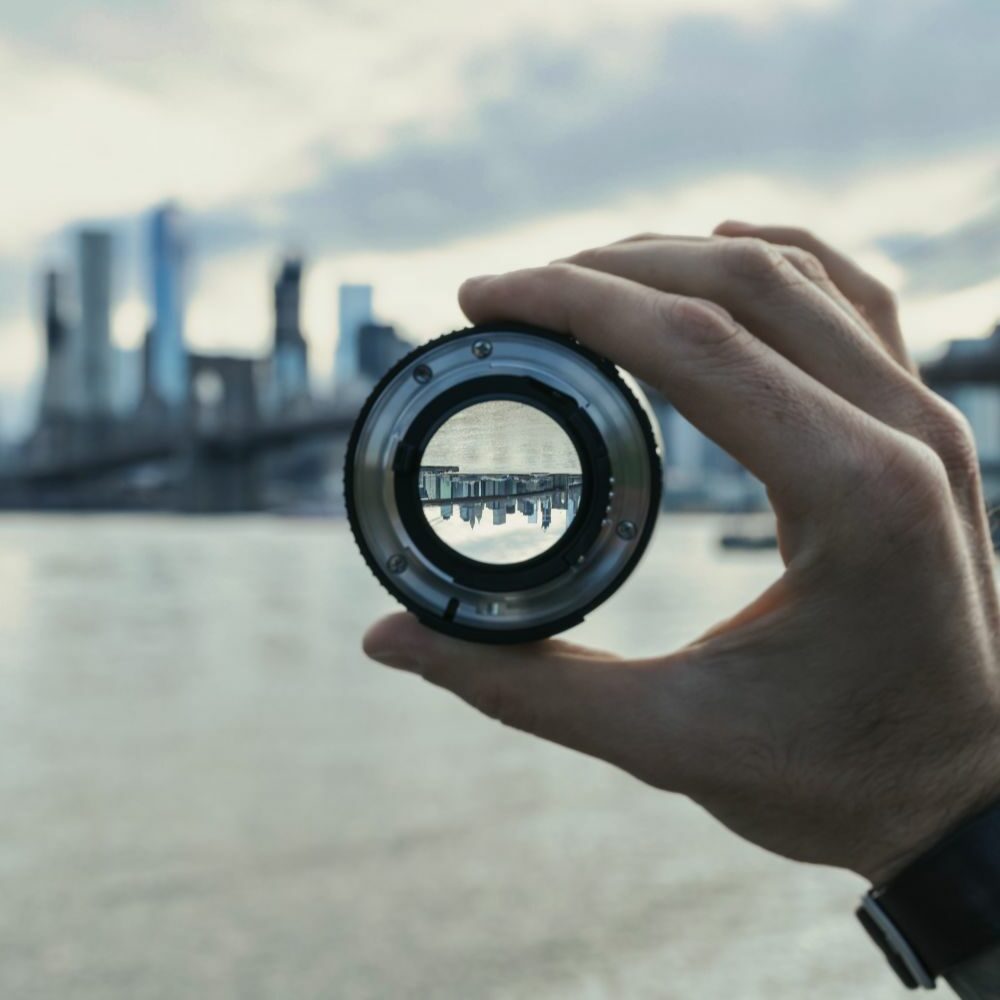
column 207, row 792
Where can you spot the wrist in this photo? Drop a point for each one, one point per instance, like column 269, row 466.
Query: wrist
column 925, row 834
column 942, row 910
column 944, row 798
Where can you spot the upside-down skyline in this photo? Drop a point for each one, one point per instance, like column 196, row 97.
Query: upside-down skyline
column 408, row 147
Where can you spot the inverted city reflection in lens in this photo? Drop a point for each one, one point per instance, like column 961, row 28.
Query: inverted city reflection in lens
column 500, row 482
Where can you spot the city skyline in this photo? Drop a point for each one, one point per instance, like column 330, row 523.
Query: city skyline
column 96, row 400
column 530, row 134
column 87, row 368
column 87, row 377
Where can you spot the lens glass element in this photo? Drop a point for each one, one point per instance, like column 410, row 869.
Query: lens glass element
column 500, row 481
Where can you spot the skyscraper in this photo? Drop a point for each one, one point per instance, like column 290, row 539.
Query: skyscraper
column 379, row 348
column 55, row 323
column 95, row 361
column 58, row 388
column 167, row 362
column 291, row 359
column 355, row 312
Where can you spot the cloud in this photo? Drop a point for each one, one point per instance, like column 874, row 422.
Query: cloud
column 825, row 94
column 972, row 311
column 375, row 126
column 961, row 256
column 119, row 104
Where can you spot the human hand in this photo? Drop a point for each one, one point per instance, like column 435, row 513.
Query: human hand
column 850, row 715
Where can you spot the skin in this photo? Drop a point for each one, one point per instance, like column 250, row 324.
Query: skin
column 850, row 715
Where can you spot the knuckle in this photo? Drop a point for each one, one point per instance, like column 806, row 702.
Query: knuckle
column 806, row 263
column 895, row 487
column 559, row 271
column 706, row 320
column 948, row 432
column 596, row 258
column 581, row 257
column 752, row 260
column 879, row 300
column 911, row 481
column 538, row 284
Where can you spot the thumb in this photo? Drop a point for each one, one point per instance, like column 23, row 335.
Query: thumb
column 580, row 698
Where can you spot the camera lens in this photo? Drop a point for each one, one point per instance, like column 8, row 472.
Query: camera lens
column 502, row 481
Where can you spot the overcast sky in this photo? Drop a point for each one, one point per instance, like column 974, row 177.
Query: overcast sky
column 413, row 144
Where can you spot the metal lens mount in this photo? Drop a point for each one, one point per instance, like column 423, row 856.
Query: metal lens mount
column 601, row 411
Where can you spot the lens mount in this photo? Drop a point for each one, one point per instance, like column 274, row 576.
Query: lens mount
column 604, row 416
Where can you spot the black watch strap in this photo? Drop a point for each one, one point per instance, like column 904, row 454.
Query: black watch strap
column 944, row 908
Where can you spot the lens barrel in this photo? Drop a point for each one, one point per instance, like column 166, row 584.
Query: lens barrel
column 502, row 481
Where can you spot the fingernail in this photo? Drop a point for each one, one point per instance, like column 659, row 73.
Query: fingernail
column 398, row 658
column 736, row 224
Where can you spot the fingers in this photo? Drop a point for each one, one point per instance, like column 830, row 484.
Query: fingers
column 872, row 298
column 778, row 293
column 780, row 301
column 626, row 713
column 802, row 440
column 918, row 412
column 803, row 261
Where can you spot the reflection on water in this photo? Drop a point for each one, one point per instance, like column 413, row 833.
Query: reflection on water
column 499, row 518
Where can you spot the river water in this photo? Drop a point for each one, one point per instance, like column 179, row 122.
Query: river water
column 206, row 791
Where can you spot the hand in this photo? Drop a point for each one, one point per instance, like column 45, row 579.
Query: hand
column 851, row 714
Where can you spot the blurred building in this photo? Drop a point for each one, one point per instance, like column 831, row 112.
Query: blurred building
column 223, row 392
column 379, row 348
column 355, row 311
column 166, row 360
column 128, row 380
column 968, row 375
column 290, row 357
column 93, row 364
column 698, row 474
column 58, row 388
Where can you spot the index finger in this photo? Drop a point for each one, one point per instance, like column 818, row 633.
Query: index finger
column 806, row 443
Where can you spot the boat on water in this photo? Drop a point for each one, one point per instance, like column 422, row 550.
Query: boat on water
column 760, row 532
column 750, row 532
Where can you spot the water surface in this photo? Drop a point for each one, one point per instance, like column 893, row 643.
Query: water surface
column 206, row 791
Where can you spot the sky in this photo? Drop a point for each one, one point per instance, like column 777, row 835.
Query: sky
column 411, row 145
